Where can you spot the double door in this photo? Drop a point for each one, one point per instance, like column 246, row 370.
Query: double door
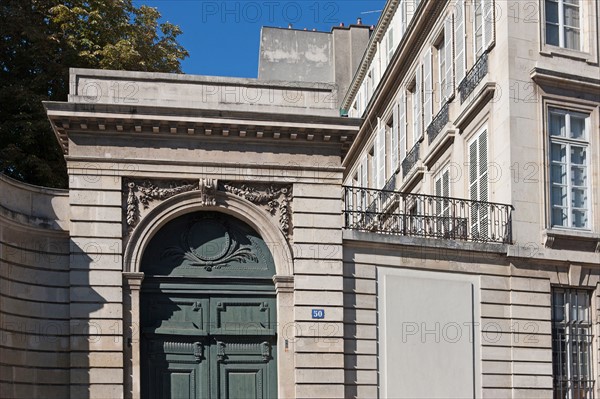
column 208, row 346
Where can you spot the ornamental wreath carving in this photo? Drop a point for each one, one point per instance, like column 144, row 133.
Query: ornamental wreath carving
column 276, row 199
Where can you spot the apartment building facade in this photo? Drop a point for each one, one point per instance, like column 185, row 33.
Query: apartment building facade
column 479, row 122
column 432, row 231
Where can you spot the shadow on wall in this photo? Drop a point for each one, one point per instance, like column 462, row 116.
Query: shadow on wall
column 35, row 280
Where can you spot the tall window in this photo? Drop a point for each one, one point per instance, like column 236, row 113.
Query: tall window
column 393, row 128
column 427, row 88
column 483, row 26
column 569, row 168
column 563, row 23
column 478, row 185
column 380, row 155
column 478, row 29
column 390, row 44
column 416, row 91
column 460, row 38
column 402, row 126
column 445, row 64
column 442, row 203
column 571, row 344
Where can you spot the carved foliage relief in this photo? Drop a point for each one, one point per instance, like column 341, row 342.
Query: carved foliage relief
column 142, row 196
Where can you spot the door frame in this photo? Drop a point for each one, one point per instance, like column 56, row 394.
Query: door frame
column 275, row 240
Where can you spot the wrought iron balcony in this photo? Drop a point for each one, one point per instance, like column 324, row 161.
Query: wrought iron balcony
column 418, row 215
column 411, row 159
column 438, row 123
column 474, row 76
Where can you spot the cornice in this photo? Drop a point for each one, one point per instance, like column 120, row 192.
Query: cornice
column 149, row 122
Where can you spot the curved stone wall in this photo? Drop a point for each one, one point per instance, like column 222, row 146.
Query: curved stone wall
column 34, row 291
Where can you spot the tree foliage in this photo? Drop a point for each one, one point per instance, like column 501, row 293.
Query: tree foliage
column 40, row 40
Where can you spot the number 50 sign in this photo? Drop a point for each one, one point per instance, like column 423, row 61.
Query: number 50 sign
column 318, row 313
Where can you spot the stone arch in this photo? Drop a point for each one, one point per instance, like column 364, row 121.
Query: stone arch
column 226, row 203
column 241, row 209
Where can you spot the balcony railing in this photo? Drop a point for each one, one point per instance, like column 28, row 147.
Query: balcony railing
column 411, row 159
column 418, row 215
column 438, row 123
column 474, row 76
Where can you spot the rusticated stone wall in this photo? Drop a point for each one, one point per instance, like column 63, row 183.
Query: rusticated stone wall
column 34, row 291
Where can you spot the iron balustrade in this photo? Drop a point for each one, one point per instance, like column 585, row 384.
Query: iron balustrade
column 437, row 124
column 474, row 76
column 419, row 215
column 411, row 159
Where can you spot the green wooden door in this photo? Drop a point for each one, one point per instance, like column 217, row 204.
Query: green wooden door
column 208, row 311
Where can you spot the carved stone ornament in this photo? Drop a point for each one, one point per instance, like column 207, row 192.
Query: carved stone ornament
column 208, row 191
column 147, row 192
column 274, row 198
column 211, row 244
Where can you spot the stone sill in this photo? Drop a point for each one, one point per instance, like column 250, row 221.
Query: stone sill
column 577, row 240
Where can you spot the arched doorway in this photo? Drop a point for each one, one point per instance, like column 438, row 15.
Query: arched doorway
column 208, row 311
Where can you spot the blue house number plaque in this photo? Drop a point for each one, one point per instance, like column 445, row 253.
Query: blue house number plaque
column 318, row 313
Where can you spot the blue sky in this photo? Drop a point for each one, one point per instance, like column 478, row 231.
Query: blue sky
column 223, row 37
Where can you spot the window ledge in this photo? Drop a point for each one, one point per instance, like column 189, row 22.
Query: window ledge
column 441, row 143
column 413, row 177
column 478, row 101
column 553, row 78
column 576, row 240
column 554, row 51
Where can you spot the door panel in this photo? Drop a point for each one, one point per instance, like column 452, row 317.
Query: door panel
column 241, row 383
column 244, row 368
column 175, row 315
column 242, row 316
column 175, row 370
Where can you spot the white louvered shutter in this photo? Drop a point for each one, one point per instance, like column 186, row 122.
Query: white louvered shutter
column 442, row 203
column 488, row 23
column 478, row 185
column 363, row 183
column 410, row 11
column 402, row 125
column 403, row 19
column 380, row 156
column 427, row 88
column 364, row 173
column 449, row 55
column 394, row 140
column 418, row 106
column 383, row 54
column 460, row 56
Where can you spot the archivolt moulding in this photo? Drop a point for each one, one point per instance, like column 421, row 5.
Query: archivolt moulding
column 274, row 198
column 195, row 200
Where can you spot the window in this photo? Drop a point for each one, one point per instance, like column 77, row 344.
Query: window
column 427, row 88
column 402, row 126
column 390, row 44
column 571, row 344
column 478, row 185
column 442, row 204
column 478, row 29
column 460, row 55
column 569, row 169
column 380, row 156
column 483, row 26
column 417, row 106
column 563, row 23
column 392, row 127
column 370, row 84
